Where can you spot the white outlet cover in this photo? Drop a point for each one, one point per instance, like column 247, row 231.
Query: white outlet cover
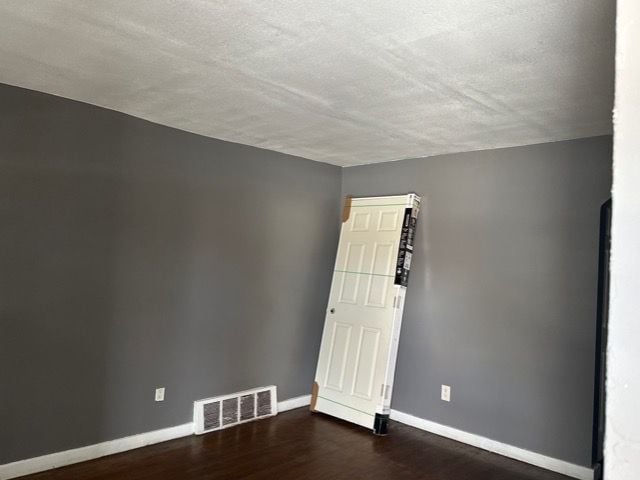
column 160, row 394
column 445, row 393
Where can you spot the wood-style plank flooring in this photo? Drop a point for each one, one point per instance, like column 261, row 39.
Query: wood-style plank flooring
column 301, row 445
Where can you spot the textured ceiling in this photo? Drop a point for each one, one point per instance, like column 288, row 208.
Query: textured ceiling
column 345, row 82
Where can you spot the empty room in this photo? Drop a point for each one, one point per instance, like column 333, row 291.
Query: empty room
column 319, row 240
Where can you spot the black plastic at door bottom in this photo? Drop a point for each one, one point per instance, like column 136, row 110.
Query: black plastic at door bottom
column 380, row 424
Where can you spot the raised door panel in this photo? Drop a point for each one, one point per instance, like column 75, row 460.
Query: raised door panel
column 366, row 361
column 338, row 353
column 350, row 278
column 380, row 274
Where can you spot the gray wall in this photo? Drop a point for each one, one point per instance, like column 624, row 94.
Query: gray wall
column 502, row 298
column 134, row 256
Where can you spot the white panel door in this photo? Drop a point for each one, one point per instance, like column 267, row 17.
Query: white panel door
column 357, row 349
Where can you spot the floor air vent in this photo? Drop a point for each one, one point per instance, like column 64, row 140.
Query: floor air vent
column 228, row 410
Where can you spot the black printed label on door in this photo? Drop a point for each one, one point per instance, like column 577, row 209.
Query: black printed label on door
column 405, row 251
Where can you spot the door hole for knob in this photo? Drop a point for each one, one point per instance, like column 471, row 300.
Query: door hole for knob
column 333, row 310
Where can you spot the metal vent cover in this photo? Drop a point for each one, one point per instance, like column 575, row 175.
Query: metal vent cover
column 211, row 415
column 228, row 410
column 264, row 403
column 247, row 407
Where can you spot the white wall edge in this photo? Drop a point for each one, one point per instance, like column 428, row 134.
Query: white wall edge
column 82, row 454
column 296, row 402
column 520, row 454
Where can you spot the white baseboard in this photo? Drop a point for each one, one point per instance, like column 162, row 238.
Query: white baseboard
column 60, row 459
column 296, row 402
column 520, row 454
column 82, row 454
column 549, row 463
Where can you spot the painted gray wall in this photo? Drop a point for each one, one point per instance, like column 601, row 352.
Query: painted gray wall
column 134, row 256
column 501, row 303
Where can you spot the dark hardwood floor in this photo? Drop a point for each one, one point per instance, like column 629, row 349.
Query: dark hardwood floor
column 301, row 445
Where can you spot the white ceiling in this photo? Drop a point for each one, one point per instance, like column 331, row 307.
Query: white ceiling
column 345, row 82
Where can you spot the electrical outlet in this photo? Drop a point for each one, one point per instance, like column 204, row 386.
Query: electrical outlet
column 445, row 393
column 160, row 394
